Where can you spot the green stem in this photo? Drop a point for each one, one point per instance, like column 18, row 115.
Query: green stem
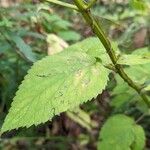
column 106, row 43
column 63, row 4
column 141, row 117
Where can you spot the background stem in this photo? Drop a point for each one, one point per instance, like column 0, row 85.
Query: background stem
column 63, row 4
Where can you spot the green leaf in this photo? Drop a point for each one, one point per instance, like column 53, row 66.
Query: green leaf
column 120, row 101
column 53, row 85
column 121, row 133
column 82, row 118
column 139, row 141
column 106, row 22
column 24, row 48
column 139, row 5
column 123, row 96
column 5, row 22
column 93, row 47
column 116, row 134
column 138, row 73
column 4, row 47
column 133, row 59
column 69, row 35
column 147, row 88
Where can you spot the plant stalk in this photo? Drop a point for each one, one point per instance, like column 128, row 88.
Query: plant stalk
column 97, row 29
column 58, row 2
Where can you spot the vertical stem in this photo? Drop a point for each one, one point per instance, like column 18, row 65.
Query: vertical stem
column 106, row 43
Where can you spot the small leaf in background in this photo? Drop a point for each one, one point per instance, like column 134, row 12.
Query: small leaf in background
column 106, row 23
column 56, row 22
column 120, row 101
column 69, row 35
column 55, row 44
column 140, row 56
column 82, row 118
column 63, row 24
column 139, row 5
column 4, row 47
column 5, row 22
column 147, row 88
column 35, row 35
column 122, row 95
column 24, row 48
column 121, row 133
column 133, row 59
column 56, row 84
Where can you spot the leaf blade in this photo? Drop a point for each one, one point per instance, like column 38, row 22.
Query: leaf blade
column 133, row 59
column 24, row 48
column 121, row 133
column 53, row 85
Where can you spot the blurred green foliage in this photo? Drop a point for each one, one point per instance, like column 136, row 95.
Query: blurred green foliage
column 23, row 32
